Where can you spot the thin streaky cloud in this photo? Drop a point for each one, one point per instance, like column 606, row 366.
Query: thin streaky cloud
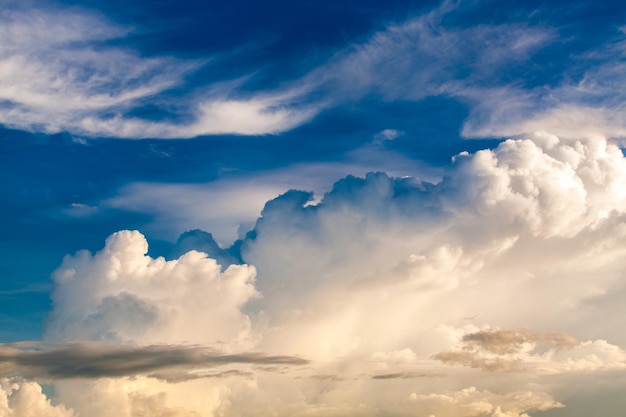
column 92, row 360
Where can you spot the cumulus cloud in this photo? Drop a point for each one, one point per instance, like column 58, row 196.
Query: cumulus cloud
column 25, row 399
column 120, row 294
column 146, row 336
column 379, row 264
column 400, row 293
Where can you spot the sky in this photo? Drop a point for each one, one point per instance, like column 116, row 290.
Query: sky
column 312, row 208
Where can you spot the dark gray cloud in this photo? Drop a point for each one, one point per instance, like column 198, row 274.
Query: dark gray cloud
column 95, row 360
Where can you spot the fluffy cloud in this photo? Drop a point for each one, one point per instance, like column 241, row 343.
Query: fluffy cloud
column 120, row 294
column 380, row 264
column 401, row 295
column 428, row 245
column 26, row 399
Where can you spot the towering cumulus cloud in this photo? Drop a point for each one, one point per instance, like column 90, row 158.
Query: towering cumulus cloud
column 122, row 295
column 479, row 295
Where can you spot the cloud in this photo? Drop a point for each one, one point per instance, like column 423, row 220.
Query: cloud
column 96, row 360
column 214, row 116
column 25, row 399
column 120, row 294
column 587, row 102
column 475, row 361
column 509, row 341
column 60, row 72
column 424, row 56
column 221, row 206
column 473, row 402
column 387, row 135
column 421, row 56
column 406, row 375
column 54, row 74
column 381, row 285
column 495, row 350
column 232, row 203
column 380, row 264
column 68, row 77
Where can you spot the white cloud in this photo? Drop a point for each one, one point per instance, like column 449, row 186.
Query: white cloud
column 588, row 102
column 380, row 264
column 58, row 74
column 422, row 57
column 25, row 399
column 121, row 294
column 387, row 135
column 400, row 293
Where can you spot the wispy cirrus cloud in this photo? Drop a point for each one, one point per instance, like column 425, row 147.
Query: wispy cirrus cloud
column 60, row 71
column 424, row 57
column 61, row 77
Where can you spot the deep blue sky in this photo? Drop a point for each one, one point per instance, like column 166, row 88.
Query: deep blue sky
column 57, row 177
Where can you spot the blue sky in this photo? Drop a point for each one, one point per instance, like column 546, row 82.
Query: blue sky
column 435, row 147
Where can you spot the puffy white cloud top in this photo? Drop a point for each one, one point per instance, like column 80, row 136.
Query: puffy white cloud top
column 122, row 295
